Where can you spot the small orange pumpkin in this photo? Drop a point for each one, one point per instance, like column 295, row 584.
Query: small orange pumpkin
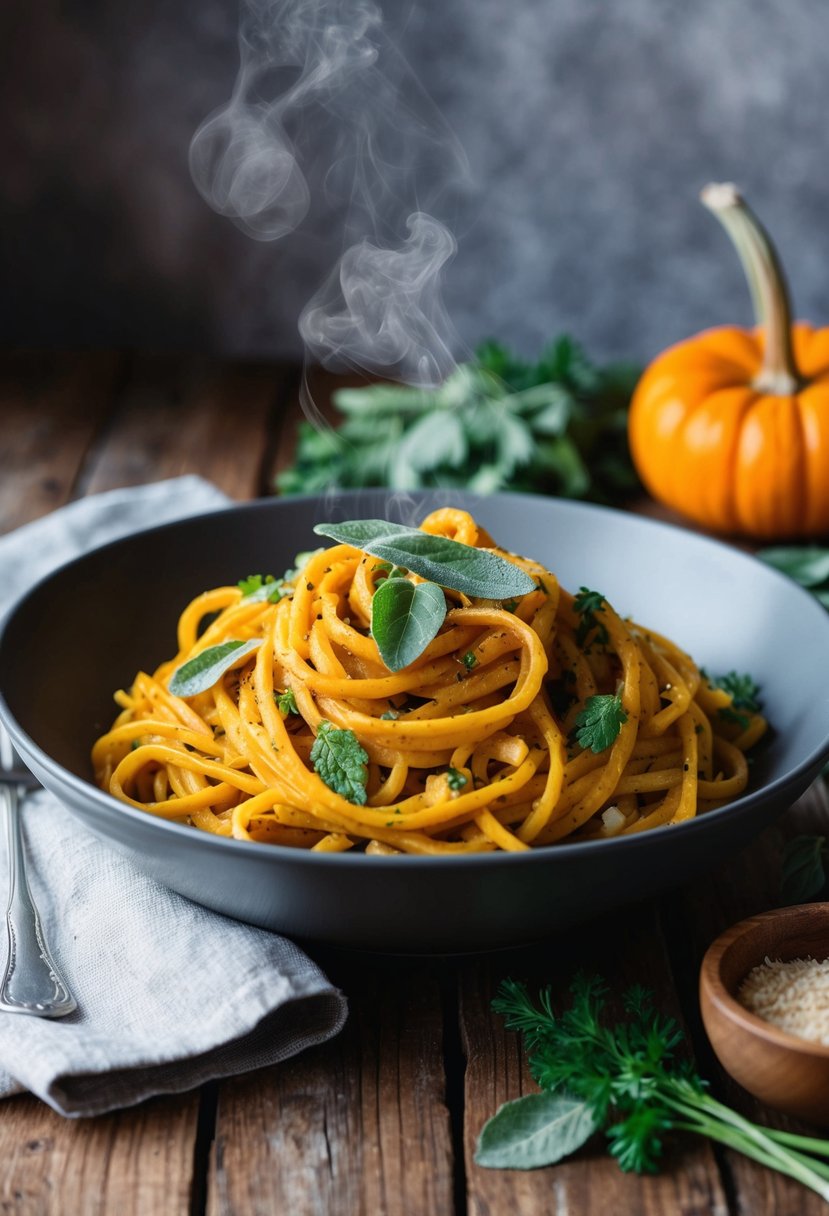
column 731, row 427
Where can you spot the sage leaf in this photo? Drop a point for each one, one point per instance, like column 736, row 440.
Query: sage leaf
column 448, row 563
column 536, row 1130
column 202, row 672
column 803, row 875
column 404, row 618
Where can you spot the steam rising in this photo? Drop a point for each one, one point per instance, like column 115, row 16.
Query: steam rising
column 326, row 116
column 382, row 308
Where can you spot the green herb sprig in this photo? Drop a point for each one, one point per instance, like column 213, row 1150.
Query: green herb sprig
column 745, row 697
column 597, row 726
column 341, row 762
column 406, row 616
column 587, row 605
column 626, row 1079
column 557, row 426
column 259, row 588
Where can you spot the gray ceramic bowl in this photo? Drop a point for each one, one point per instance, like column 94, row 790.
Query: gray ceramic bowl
column 86, row 629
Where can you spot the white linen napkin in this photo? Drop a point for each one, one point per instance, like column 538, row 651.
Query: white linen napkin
column 169, row 994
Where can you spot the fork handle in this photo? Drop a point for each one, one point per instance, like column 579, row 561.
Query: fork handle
column 31, row 982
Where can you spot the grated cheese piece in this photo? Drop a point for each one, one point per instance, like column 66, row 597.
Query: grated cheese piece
column 612, row 821
column 792, row 995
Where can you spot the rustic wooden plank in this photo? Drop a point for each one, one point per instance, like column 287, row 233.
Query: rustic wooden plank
column 135, row 1162
column 190, row 415
column 141, row 1160
column 51, row 406
column 357, row 1127
column 745, row 885
column 625, row 948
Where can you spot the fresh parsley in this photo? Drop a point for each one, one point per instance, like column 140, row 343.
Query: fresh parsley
column 455, row 779
column 745, row 696
column 341, row 762
column 286, row 702
column 260, row 588
column 599, row 723
column 469, row 660
column 744, row 690
column 557, row 426
column 625, row 1078
column 587, row 605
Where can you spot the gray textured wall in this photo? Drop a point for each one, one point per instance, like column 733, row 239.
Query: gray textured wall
column 589, row 128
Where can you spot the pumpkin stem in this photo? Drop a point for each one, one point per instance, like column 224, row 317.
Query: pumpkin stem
column 767, row 284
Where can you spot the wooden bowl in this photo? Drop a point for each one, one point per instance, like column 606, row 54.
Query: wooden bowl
column 787, row 1072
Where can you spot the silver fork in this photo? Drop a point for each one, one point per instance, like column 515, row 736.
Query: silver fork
column 31, row 982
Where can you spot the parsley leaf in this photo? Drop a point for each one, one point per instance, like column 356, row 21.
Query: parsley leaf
column 286, row 702
column 455, row 779
column 743, row 689
column 587, row 604
column 258, row 587
column 469, row 660
column 341, row 762
column 599, row 723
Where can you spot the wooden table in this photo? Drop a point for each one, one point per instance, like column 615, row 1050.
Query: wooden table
column 384, row 1118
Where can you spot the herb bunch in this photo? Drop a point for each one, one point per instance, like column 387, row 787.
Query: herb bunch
column 627, row 1079
column 556, row 426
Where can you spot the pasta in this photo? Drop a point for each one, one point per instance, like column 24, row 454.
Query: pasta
column 482, row 743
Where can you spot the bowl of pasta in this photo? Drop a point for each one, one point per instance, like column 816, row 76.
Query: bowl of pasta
column 433, row 723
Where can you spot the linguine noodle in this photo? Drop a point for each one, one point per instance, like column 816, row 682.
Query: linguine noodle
column 470, row 748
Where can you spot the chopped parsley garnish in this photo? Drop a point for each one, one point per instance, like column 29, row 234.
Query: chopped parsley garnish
column 743, row 689
column 286, row 702
column 260, row 587
column 745, row 695
column 586, row 604
column 341, row 762
column 469, row 660
column 599, row 723
column 455, row 779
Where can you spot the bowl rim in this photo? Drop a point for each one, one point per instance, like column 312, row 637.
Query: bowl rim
column 84, row 788
column 713, row 985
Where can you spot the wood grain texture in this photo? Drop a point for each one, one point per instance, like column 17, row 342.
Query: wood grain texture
column 744, row 885
column 364, row 1124
column 624, row 948
column 185, row 415
column 133, row 1163
column 357, row 1127
column 51, row 407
